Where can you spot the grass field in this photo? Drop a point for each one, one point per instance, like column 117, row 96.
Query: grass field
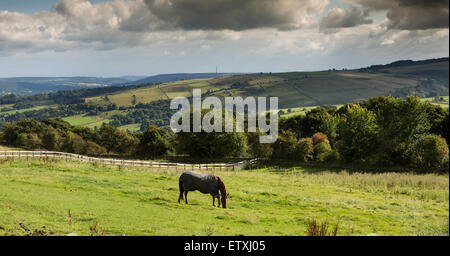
column 443, row 103
column 37, row 196
column 87, row 121
column 5, row 148
column 25, row 109
column 299, row 111
column 131, row 127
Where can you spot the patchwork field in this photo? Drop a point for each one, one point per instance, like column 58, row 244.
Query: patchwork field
column 294, row 89
column 35, row 197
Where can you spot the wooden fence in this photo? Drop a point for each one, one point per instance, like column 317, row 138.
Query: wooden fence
column 118, row 162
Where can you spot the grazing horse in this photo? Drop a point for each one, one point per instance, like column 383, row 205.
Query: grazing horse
column 205, row 183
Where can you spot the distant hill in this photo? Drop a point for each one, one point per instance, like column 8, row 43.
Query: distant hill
column 132, row 78
column 24, row 86
column 147, row 100
column 164, row 78
column 407, row 63
column 427, row 78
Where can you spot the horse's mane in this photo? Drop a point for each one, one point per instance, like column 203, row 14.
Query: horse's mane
column 222, row 188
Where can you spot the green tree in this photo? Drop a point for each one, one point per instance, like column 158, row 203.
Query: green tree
column 117, row 141
column 211, row 144
column 402, row 125
column 358, row 131
column 257, row 149
column 51, row 139
column 154, row 142
column 330, row 126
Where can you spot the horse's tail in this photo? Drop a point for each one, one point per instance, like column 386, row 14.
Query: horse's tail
column 180, row 185
column 222, row 188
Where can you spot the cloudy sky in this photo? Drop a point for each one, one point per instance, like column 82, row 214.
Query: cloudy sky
column 145, row 37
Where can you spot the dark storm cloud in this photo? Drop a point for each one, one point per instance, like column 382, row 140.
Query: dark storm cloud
column 412, row 14
column 339, row 18
column 228, row 14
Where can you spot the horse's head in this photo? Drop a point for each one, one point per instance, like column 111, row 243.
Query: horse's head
column 223, row 193
column 224, row 202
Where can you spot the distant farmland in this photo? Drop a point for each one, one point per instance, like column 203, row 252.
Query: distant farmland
column 296, row 92
column 297, row 89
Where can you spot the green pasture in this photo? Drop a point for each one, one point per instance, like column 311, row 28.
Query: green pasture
column 35, row 198
column 87, row 121
column 24, row 110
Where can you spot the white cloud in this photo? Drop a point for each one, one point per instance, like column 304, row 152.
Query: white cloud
column 77, row 25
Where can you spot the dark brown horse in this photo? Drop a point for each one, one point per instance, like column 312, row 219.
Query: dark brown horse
column 205, row 183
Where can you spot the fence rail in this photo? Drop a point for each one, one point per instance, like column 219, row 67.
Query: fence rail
column 118, row 162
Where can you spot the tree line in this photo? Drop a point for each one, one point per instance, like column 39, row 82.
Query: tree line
column 155, row 113
column 382, row 131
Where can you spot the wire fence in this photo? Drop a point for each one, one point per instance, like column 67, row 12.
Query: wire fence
column 28, row 155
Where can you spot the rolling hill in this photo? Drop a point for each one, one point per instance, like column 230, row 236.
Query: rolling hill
column 148, row 103
column 165, row 78
column 300, row 89
column 25, row 86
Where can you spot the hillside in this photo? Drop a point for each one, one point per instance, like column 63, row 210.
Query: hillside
column 301, row 89
column 25, row 86
column 143, row 104
column 165, row 78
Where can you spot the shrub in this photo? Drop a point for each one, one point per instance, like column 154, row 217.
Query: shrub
column 432, row 151
column 92, row 148
column 305, row 149
column 315, row 229
column 319, row 138
column 332, row 156
column 322, row 148
column 286, row 145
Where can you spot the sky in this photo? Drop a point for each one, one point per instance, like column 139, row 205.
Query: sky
column 147, row 37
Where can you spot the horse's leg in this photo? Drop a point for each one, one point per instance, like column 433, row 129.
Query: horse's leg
column 180, row 184
column 219, row 202
column 180, row 197
column 185, row 197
